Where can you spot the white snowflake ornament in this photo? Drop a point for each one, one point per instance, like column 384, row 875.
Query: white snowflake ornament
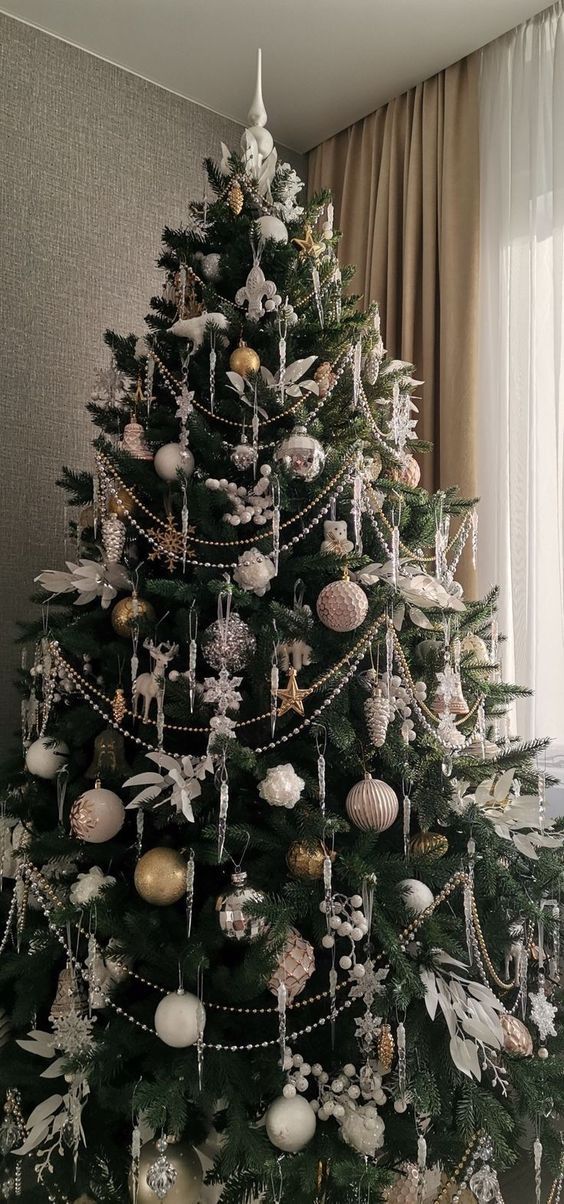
column 543, row 1014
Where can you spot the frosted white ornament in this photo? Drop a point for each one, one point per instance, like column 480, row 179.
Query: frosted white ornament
column 170, row 458
column 179, row 1019
column 272, row 227
column 372, row 805
column 254, row 572
column 290, row 1123
column 45, row 757
column 211, row 265
column 363, row 1130
column 416, row 895
column 282, row 786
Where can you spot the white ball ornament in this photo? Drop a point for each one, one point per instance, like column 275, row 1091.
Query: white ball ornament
column 45, row 758
column 416, row 895
column 372, row 805
column 290, row 1124
column 342, row 605
column 179, row 1019
column 272, row 227
column 170, row 458
column 97, row 815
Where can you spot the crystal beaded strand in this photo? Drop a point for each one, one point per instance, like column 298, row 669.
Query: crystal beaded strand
column 282, row 328
column 357, row 366
column 192, row 653
column 281, row 999
column 213, row 362
column 321, row 744
column 223, row 807
column 274, row 683
column 190, row 875
column 537, row 1157
column 275, row 523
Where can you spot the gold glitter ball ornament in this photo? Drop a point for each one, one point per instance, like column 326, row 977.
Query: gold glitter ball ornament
column 296, row 964
column 160, row 877
column 342, row 605
column 121, row 502
column 187, row 1186
column 306, row 860
column 517, row 1039
column 235, row 200
column 244, row 360
column 130, row 612
column 428, row 844
column 408, row 473
column 372, row 805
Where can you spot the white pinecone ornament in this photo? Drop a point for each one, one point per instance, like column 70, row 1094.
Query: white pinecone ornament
column 377, row 712
column 113, row 538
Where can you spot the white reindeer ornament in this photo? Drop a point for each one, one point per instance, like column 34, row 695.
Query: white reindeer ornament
column 150, row 686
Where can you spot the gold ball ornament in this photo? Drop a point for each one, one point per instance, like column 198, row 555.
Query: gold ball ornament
column 342, row 605
column 428, row 844
column 244, row 360
column 160, row 877
column 408, row 473
column 187, row 1187
column 372, row 805
column 306, row 860
column 128, row 613
column 121, row 502
column 517, row 1039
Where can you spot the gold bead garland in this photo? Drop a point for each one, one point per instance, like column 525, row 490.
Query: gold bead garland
column 452, row 1181
column 173, row 384
column 430, row 715
column 359, row 648
column 106, row 466
column 403, row 547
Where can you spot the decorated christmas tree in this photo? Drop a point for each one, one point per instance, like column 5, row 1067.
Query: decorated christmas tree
column 278, row 883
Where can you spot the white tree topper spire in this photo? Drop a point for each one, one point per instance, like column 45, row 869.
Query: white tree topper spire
column 257, row 111
column 259, row 153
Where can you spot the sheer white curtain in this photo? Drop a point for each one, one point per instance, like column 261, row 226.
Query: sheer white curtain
column 521, row 418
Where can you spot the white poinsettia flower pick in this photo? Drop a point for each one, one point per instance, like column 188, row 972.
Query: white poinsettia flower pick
column 294, row 386
column 514, row 817
column 90, row 578
column 178, row 782
column 418, row 589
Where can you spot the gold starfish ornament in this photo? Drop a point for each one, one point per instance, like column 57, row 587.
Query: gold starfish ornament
column 291, row 697
column 307, row 246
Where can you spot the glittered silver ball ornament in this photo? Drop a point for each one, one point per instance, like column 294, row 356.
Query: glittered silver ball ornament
column 228, row 645
column 302, row 455
column 372, row 805
column 342, row 605
column 234, row 919
column 244, row 455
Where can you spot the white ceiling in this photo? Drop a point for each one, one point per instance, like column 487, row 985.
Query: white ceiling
column 326, row 63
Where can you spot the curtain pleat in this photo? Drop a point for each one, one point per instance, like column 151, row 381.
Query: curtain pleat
column 406, row 188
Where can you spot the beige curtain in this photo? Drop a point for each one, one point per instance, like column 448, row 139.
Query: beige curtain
column 405, row 182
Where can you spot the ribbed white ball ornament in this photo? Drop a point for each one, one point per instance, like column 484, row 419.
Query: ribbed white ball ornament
column 290, row 1123
column 372, row 805
column 179, row 1019
column 44, row 758
column 169, row 458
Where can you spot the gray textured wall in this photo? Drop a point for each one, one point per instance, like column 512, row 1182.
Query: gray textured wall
column 94, row 162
